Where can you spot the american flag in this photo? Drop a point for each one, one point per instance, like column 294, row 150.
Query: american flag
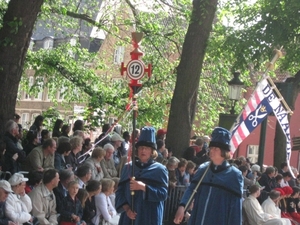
column 255, row 111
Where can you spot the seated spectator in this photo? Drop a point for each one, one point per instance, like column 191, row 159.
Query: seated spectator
column 286, row 193
column 82, row 195
column 14, row 155
column 104, row 206
column 41, row 157
column 56, row 129
column 31, row 141
column 270, row 206
column 89, row 212
column 94, row 163
column 45, row 135
column 116, row 141
column 291, row 203
column 125, row 160
column 253, row 171
column 293, row 180
column 267, row 179
column 247, row 182
column 103, row 138
column 190, row 154
column 283, row 168
column 71, row 208
column 5, row 190
column 34, row 179
column 278, row 180
column 258, row 176
column 162, row 152
column 108, row 164
column 65, row 130
column 62, row 139
column 72, row 158
column 125, row 144
column 84, row 174
column 203, row 153
column 62, row 151
column 172, row 164
column 43, row 199
column 206, row 140
column 37, row 125
column 79, row 133
column 113, row 195
column 160, row 149
column 180, row 171
column 254, row 212
column 18, row 203
column 161, row 134
column 84, row 154
column 189, row 173
column 286, row 177
column 78, row 125
column 198, row 145
column 65, row 177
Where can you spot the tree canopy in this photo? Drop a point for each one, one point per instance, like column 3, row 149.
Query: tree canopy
column 243, row 37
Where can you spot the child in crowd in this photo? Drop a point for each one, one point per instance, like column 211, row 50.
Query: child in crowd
column 113, row 195
column 71, row 210
column 189, row 173
column 180, row 171
column 82, row 195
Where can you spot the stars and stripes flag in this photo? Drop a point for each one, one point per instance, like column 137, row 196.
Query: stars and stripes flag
column 262, row 102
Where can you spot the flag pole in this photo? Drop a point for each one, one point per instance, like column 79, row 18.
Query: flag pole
column 270, row 66
column 279, row 95
column 135, row 70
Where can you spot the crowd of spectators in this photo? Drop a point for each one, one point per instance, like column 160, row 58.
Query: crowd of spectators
column 58, row 179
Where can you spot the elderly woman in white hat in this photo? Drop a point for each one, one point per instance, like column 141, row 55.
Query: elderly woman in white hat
column 18, row 204
column 5, row 189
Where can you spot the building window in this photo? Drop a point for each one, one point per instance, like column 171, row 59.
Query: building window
column 31, row 45
column 61, row 93
column 48, row 43
column 119, row 55
column 27, row 96
column 40, row 84
column 73, row 41
column 25, row 120
column 252, row 153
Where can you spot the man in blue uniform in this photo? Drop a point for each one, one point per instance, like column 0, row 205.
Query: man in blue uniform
column 150, row 185
column 218, row 199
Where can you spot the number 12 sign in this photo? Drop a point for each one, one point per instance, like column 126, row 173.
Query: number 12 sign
column 135, row 69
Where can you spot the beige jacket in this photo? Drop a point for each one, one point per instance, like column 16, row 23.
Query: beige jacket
column 92, row 164
column 36, row 159
column 108, row 168
column 43, row 205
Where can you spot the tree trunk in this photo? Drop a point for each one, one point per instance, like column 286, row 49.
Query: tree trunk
column 184, row 100
column 15, row 34
column 280, row 139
